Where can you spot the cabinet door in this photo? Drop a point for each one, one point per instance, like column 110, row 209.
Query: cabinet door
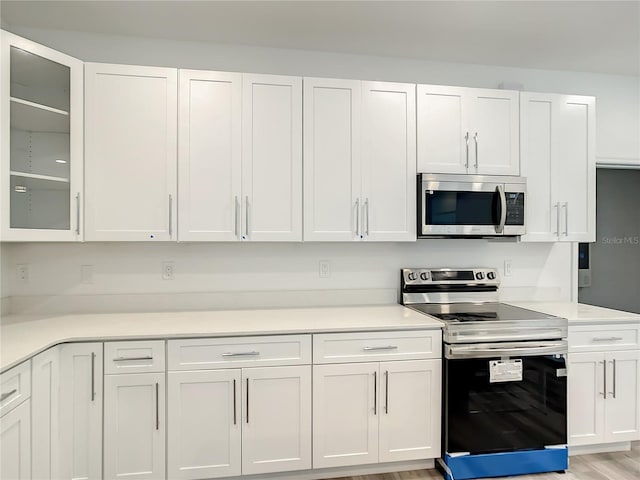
column 410, row 409
column 494, row 133
column 332, row 204
column 586, row 387
column 345, row 414
column 41, row 128
column 538, row 154
column 45, row 414
column 134, row 429
column 389, row 161
column 443, row 129
column 209, row 156
column 271, row 158
column 276, row 428
column 15, row 443
column 130, row 155
column 576, row 169
column 204, row 424
column 622, row 412
column 81, row 411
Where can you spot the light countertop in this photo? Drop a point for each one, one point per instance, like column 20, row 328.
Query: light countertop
column 21, row 337
column 580, row 313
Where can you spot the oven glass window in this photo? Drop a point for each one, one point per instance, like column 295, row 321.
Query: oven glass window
column 462, row 208
column 485, row 417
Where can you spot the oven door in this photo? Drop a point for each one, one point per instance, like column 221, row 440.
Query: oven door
column 508, row 397
column 460, row 208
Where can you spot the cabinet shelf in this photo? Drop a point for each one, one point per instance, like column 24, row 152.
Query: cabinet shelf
column 36, row 117
column 39, row 177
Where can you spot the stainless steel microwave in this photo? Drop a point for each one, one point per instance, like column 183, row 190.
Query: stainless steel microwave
column 470, row 206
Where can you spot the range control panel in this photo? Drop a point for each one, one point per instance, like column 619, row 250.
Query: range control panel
column 449, row 276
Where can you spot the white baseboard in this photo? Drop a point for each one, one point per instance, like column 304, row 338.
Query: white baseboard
column 337, row 472
column 599, row 448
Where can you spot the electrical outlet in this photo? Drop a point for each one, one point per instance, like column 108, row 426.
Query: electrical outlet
column 507, row 268
column 22, row 271
column 86, row 274
column 168, row 269
column 324, row 269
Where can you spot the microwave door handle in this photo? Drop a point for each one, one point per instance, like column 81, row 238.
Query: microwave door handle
column 503, row 209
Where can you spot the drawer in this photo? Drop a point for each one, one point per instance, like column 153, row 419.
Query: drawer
column 134, row 357
column 15, row 387
column 377, row 346
column 209, row 353
column 604, row 338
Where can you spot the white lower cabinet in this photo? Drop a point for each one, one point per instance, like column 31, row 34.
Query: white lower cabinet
column 15, row 443
column 134, row 428
column 243, row 419
column 81, row 411
column 604, row 384
column 376, row 412
column 45, row 415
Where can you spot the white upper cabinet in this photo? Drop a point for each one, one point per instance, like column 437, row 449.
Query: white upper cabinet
column 240, row 157
column 558, row 159
column 209, row 156
column 130, row 155
column 41, row 93
column 467, row 130
column 389, row 161
column 359, row 154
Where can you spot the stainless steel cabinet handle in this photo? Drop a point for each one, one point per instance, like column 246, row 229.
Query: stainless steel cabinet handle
column 131, row 359
column 475, row 137
column 614, row 378
column 386, row 392
column 237, row 210
column 557, row 207
column 157, row 406
column 566, row 219
column 247, row 400
column 4, row 396
column 170, row 215
column 246, row 218
column 375, row 393
column 604, row 379
column 78, row 213
column 466, row 140
column 357, row 217
column 366, row 216
column 386, row 347
column 240, row 354
column 234, row 402
column 93, row 376
column 607, row 339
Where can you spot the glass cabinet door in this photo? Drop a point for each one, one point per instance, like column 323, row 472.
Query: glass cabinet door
column 42, row 166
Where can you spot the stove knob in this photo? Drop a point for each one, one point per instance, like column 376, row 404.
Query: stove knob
column 412, row 276
column 491, row 276
column 424, row 276
column 479, row 276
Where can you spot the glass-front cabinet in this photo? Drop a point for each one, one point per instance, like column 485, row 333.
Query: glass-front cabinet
column 42, row 142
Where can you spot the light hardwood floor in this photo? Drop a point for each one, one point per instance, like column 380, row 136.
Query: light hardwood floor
column 599, row 466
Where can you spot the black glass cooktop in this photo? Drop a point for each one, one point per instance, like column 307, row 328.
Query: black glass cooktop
column 477, row 312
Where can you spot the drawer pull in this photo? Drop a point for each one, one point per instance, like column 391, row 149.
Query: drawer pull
column 387, row 347
column 607, row 339
column 7, row 395
column 131, row 359
column 240, row 354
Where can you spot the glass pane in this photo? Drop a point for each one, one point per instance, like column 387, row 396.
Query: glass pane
column 38, row 203
column 461, row 208
column 39, row 142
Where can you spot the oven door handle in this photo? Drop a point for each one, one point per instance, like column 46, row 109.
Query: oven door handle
column 491, row 351
column 503, row 209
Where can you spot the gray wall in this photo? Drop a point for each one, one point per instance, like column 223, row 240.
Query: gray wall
column 615, row 257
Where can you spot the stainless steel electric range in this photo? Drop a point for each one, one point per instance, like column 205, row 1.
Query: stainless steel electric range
column 504, row 375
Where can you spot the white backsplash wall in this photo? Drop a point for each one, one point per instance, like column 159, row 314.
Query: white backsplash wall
column 130, row 274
